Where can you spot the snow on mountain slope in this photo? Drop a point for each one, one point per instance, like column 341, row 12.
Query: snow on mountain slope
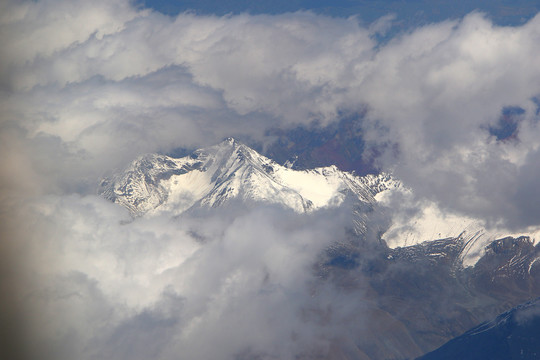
column 230, row 170
column 429, row 222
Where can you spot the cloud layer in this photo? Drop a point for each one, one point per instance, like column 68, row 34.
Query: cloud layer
column 131, row 81
column 86, row 87
column 205, row 287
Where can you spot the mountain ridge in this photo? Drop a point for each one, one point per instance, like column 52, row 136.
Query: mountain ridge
column 230, row 171
column 212, row 176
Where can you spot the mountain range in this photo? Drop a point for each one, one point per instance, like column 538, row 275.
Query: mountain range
column 231, row 170
column 420, row 294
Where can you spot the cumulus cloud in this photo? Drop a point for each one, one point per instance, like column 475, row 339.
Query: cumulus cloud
column 131, row 77
column 86, row 87
column 106, row 288
column 443, row 85
column 159, row 82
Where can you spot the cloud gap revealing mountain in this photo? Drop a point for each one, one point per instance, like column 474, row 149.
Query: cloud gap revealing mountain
column 429, row 288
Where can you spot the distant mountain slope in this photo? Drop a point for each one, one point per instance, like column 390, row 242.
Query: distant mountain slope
column 514, row 334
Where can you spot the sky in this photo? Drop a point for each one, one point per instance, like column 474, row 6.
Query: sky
column 86, row 87
column 416, row 13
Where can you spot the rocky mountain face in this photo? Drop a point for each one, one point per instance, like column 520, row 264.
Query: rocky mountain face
column 422, row 296
column 415, row 298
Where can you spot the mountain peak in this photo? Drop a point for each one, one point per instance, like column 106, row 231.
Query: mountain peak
column 213, row 176
column 231, row 172
column 229, row 140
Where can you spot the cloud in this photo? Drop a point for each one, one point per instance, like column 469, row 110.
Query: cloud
column 86, row 87
column 443, row 86
column 138, row 77
column 106, row 288
column 133, row 79
column 35, row 31
column 382, row 25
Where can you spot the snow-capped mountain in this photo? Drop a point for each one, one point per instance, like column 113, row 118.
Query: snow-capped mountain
column 214, row 176
column 448, row 271
column 231, row 171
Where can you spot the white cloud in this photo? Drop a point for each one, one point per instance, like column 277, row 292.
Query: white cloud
column 102, row 287
column 87, row 86
column 159, row 82
column 36, row 31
